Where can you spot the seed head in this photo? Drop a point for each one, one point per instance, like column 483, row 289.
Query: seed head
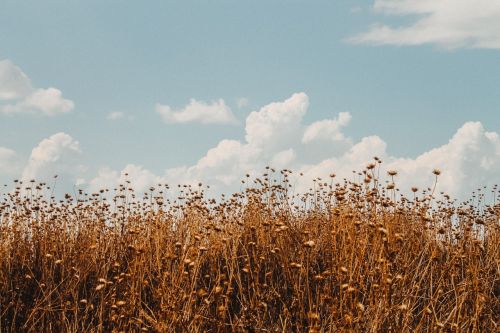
column 309, row 244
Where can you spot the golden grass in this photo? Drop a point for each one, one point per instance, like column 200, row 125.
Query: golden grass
column 343, row 257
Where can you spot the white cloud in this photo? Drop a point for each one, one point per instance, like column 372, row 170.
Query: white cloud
column 216, row 112
column 277, row 123
column 57, row 155
column 354, row 159
column 328, row 129
column 270, row 132
column 15, row 86
column 222, row 165
column 470, row 159
column 283, row 158
column 276, row 135
column 447, row 23
column 48, row 102
column 141, row 178
column 106, row 179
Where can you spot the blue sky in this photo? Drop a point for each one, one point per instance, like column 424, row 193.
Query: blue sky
column 410, row 73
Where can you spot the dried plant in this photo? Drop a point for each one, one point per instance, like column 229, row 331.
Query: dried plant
column 343, row 257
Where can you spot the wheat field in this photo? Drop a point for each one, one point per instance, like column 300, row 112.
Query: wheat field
column 347, row 256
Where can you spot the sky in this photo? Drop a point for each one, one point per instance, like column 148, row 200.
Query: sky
column 190, row 91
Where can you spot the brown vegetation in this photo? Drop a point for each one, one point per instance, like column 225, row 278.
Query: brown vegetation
column 344, row 257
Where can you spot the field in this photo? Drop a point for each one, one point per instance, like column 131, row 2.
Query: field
column 345, row 257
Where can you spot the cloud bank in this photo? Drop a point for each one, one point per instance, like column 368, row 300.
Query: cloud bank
column 446, row 23
column 17, row 95
column 277, row 136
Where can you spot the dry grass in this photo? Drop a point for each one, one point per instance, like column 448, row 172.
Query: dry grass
column 343, row 257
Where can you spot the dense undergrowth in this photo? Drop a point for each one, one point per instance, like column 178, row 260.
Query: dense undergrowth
column 346, row 256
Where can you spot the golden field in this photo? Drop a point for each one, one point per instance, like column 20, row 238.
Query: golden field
column 344, row 257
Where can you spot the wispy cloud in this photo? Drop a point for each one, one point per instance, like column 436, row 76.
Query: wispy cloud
column 446, row 23
column 216, row 112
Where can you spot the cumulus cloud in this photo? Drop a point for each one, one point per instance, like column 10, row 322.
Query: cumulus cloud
column 447, row 23
column 470, row 159
column 283, row 158
column 355, row 158
column 16, row 88
column 48, row 102
column 276, row 124
column 57, row 155
column 141, row 178
column 276, row 135
column 328, row 129
column 270, row 132
column 216, row 112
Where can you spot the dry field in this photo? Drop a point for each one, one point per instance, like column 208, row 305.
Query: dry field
column 344, row 257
